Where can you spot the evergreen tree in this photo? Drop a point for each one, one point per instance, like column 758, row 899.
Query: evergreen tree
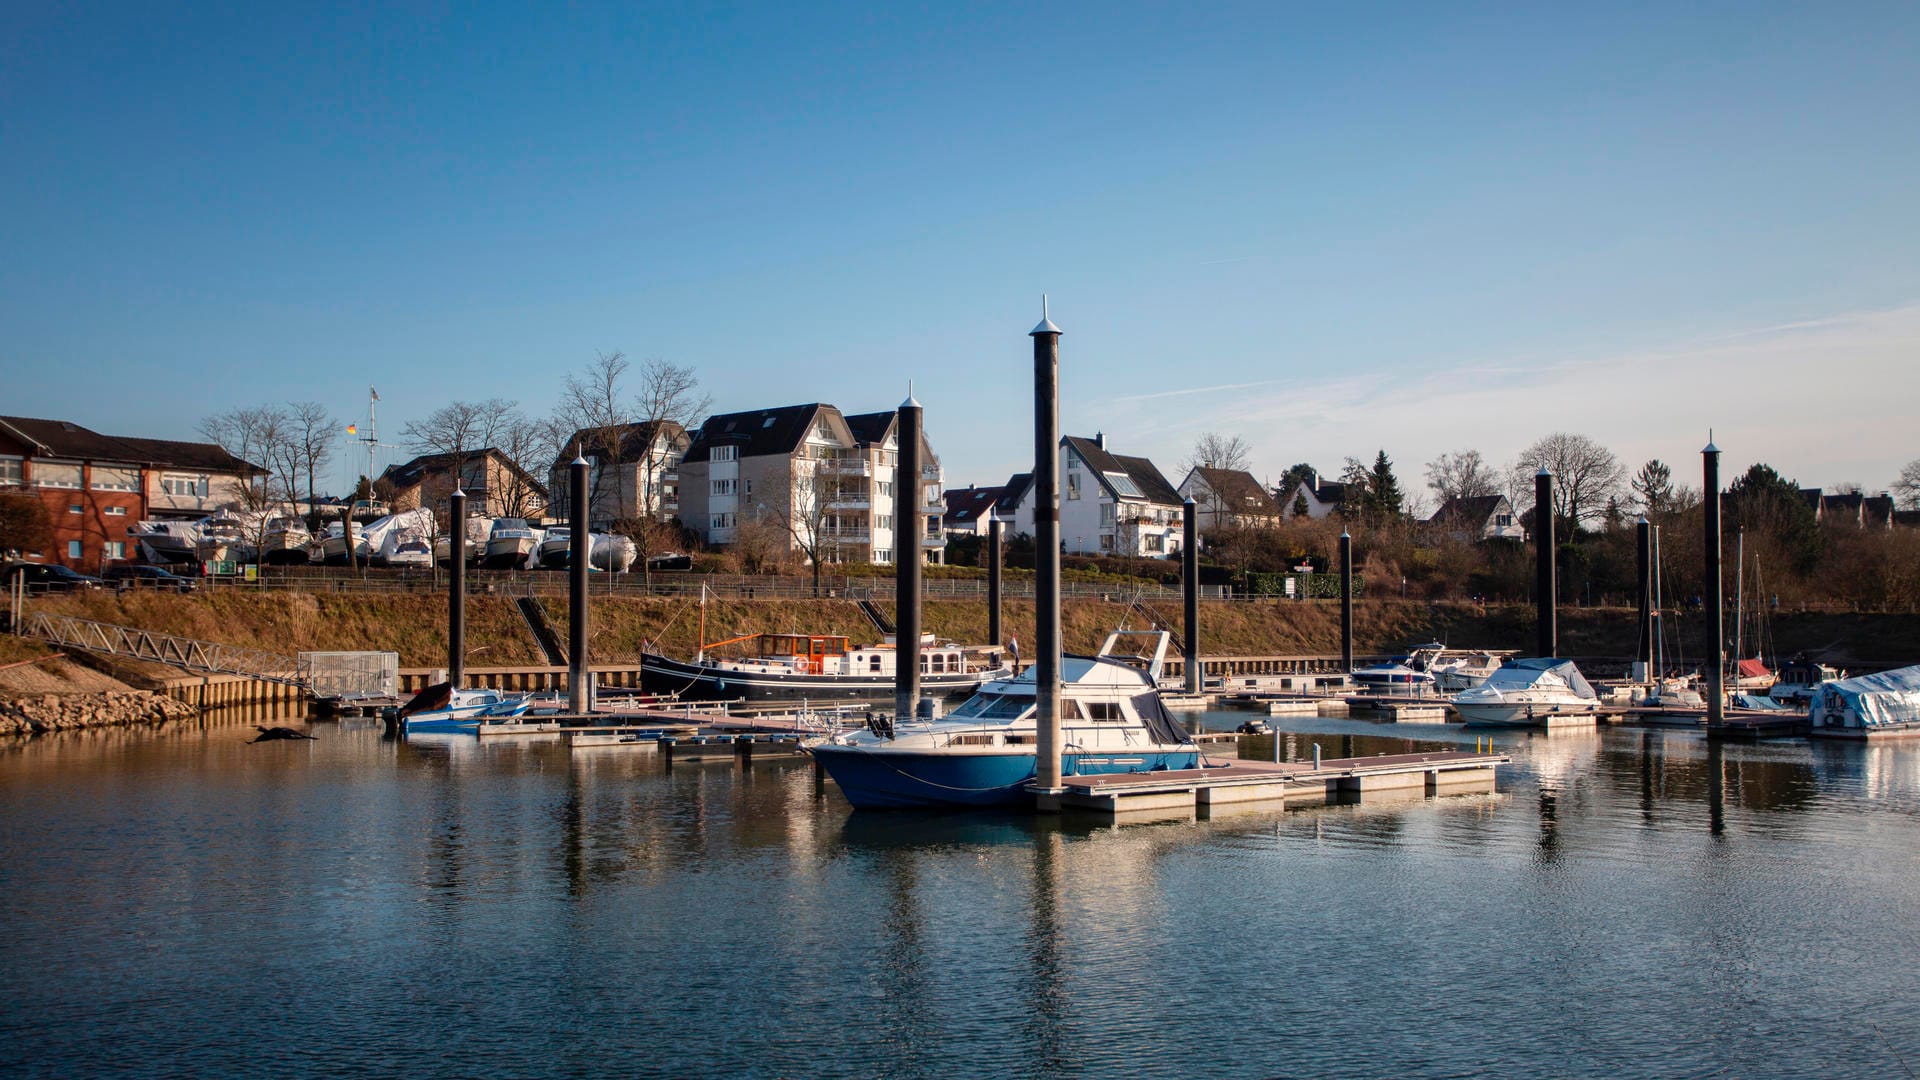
column 1763, row 501
column 1384, row 500
column 1653, row 488
column 1300, row 508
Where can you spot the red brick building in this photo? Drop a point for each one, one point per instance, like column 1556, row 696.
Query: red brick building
column 94, row 485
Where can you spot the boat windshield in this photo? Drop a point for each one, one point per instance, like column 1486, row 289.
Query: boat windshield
column 992, row 707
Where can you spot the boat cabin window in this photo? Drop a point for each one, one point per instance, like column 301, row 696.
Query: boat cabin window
column 873, row 662
column 1070, row 710
column 993, row 707
column 973, row 740
column 1106, row 711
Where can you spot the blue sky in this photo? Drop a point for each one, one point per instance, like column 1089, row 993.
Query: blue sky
column 1337, row 228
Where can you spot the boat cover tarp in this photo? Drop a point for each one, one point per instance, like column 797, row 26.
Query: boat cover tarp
column 1520, row 674
column 1159, row 722
column 1879, row 700
column 1753, row 669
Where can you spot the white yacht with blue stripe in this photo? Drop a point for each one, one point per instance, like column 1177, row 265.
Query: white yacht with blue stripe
column 983, row 753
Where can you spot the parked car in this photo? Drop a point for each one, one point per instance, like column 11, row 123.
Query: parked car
column 146, row 577
column 50, row 577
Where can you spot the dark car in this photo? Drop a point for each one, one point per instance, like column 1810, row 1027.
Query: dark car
column 50, row 577
column 146, row 577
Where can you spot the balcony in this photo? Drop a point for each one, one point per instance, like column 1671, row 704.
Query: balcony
column 850, row 501
column 843, row 466
column 845, row 535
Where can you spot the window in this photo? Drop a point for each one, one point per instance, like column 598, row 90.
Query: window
column 184, row 485
column 1503, row 521
column 73, row 549
column 1124, row 484
column 1156, row 542
column 73, row 508
column 746, row 488
column 57, row 474
column 1106, row 541
column 883, row 521
column 115, row 478
column 1104, row 710
column 10, row 468
column 116, row 511
column 884, row 487
column 726, row 453
column 722, row 521
column 114, row 549
column 723, row 487
column 882, row 556
column 1073, row 485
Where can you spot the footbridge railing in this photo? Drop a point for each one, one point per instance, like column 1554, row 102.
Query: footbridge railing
column 209, row 657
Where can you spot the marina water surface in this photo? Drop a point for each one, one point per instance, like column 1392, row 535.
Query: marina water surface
column 1628, row 903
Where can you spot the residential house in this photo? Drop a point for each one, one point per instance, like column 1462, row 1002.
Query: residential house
column 969, row 509
column 1109, row 503
column 1321, row 497
column 94, row 486
column 1228, row 498
column 494, row 484
column 818, row 478
column 634, row 471
column 1477, row 518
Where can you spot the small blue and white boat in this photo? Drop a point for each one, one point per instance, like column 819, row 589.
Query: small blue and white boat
column 1408, row 674
column 442, row 709
column 983, row 753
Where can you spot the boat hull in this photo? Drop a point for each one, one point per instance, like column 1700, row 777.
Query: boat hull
column 872, row 779
column 1518, row 713
column 507, row 554
column 695, row 682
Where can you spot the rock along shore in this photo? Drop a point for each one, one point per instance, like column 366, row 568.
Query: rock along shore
column 37, row 714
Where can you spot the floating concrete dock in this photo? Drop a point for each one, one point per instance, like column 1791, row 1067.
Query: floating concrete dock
column 1268, row 786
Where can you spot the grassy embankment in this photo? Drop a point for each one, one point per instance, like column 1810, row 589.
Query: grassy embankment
column 415, row 625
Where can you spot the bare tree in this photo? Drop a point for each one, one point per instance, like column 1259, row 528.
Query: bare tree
column 807, row 511
column 260, row 436
column 464, row 430
column 1215, row 451
column 593, row 401
column 1906, row 489
column 1585, row 475
column 311, row 434
column 667, row 398
column 1461, row 474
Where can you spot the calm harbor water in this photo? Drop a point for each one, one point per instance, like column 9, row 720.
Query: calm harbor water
column 1630, row 903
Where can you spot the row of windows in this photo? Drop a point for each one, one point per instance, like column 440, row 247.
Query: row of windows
column 69, row 476
column 110, row 511
column 729, row 487
column 722, row 521
column 112, row 549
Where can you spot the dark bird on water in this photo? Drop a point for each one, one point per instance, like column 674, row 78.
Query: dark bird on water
column 269, row 734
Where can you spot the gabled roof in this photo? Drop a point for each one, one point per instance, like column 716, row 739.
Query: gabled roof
column 1812, row 495
column 1152, row 486
column 969, row 504
column 631, row 445
column 1326, row 492
column 1012, row 492
column 871, row 429
column 1879, row 509
column 757, row 432
column 419, row 469
column 63, row 439
column 1474, row 510
column 1236, row 491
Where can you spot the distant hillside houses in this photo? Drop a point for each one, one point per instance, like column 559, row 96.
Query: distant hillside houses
column 1109, row 503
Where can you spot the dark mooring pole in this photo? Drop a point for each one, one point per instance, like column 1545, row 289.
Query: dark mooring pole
column 1046, row 554
column 1546, row 587
column 346, row 534
column 457, row 589
column 579, row 559
column 993, row 580
column 1346, row 602
column 908, row 529
column 1644, row 543
column 1716, row 593
column 1190, row 585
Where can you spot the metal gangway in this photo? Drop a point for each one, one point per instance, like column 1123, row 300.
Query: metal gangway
column 206, row 657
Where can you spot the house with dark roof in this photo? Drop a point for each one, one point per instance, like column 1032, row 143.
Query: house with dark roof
column 825, row 481
column 1477, row 518
column 1109, row 503
column 1321, row 498
column 1228, row 498
column 94, row 486
column 633, row 471
column 969, row 509
column 495, row 485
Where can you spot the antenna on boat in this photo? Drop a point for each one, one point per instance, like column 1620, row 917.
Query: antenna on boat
column 372, row 437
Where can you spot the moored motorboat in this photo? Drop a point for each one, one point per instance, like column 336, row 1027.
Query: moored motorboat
column 983, row 753
column 1528, row 693
column 556, row 548
column 285, row 540
column 443, row 709
column 1406, row 675
column 816, row 667
column 223, row 538
column 1873, row 706
column 165, row 542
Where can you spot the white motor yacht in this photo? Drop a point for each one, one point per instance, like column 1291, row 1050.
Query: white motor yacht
column 1526, row 693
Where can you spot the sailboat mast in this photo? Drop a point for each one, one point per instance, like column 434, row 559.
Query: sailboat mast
column 700, row 654
column 1659, row 623
column 1739, row 601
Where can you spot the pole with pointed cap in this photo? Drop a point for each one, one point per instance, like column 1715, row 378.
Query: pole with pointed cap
column 1046, row 555
column 579, row 557
column 1716, row 587
column 1346, row 602
column 1643, row 652
column 1190, row 582
column 1545, row 583
column 457, row 588
column 994, row 544
column 908, row 529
